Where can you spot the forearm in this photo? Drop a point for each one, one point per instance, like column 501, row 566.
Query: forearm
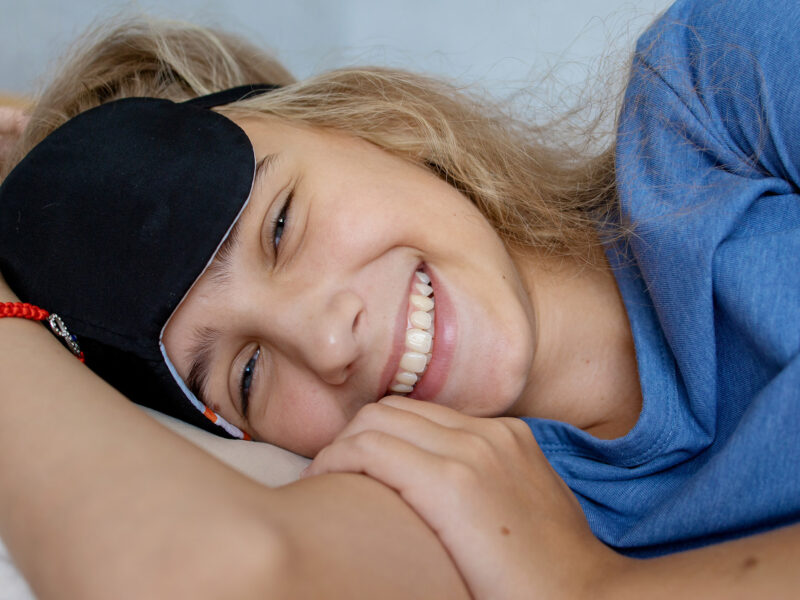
column 95, row 496
column 348, row 536
column 97, row 500
column 759, row 566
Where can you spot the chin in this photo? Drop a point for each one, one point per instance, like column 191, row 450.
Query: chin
column 497, row 391
column 494, row 348
column 506, row 374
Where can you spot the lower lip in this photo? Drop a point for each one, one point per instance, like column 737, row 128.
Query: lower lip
column 444, row 345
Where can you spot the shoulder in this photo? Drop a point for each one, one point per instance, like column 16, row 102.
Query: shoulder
column 706, row 40
column 743, row 23
column 720, row 75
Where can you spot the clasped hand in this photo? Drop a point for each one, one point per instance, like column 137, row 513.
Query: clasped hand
column 511, row 525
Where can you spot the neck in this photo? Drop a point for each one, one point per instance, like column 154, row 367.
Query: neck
column 584, row 369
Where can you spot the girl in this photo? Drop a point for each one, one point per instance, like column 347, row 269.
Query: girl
column 632, row 307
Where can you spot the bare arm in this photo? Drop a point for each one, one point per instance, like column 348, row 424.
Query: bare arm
column 97, row 500
column 759, row 566
column 514, row 528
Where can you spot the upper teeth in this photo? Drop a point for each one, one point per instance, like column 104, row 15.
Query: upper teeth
column 419, row 336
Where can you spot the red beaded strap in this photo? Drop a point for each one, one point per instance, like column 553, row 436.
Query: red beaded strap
column 23, row 310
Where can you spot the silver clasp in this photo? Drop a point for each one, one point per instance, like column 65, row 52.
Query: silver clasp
column 60, row 330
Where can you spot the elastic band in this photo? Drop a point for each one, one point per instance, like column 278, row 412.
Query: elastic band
column 231, row 95
column 23, row 310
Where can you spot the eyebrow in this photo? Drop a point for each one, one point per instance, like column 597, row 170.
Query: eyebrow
column 205, row 338
column 219, row 271
column 201, row 352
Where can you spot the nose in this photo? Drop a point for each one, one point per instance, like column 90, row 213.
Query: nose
column 325, row 335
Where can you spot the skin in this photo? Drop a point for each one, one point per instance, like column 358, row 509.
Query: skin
column 112, row 503
column 531, row 336
column 123, row 481
column 323, row 311
column 12, row 123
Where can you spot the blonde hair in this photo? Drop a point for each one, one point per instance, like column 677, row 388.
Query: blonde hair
column 535, row 185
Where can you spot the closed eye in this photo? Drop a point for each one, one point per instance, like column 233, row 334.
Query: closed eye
column 246, row 382
column 280, row 222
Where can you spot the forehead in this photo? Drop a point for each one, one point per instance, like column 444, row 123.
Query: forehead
column 291, row 139
column 272, row 135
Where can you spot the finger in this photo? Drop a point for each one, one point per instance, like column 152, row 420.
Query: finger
column 499, row 430
column 394, row 462
column 437, row 413
column 407, row 426
column 436, row 488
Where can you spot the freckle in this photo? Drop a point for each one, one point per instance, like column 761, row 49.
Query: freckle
column 586, row 361
column 749, row 563
column 504, row 276
column 505, row 530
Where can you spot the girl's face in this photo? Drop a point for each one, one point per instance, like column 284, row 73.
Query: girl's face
column 303, row 320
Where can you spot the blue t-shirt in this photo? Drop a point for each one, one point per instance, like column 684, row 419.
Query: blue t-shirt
column 708, row 161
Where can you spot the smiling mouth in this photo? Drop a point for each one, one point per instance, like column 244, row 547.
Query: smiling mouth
column 418, row 338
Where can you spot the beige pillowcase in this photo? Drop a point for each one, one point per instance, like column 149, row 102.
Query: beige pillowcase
column 265, row 463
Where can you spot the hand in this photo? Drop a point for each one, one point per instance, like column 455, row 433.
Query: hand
column 511, row 525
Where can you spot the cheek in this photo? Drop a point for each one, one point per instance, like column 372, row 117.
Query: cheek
column 360, row 214
column 302, row 421
column 354, row 232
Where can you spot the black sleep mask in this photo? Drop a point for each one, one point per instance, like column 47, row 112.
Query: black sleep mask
column 110, row 220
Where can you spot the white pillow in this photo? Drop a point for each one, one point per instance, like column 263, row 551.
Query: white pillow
column 265, row 463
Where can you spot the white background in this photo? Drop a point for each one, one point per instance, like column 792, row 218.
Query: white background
column 502, row 45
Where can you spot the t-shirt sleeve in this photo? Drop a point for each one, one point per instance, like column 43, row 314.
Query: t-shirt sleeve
column 720, row 78
column 708, row 172
column 708, row 166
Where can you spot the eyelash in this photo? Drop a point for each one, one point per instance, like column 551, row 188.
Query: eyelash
column 246, row 380
column 281, row 220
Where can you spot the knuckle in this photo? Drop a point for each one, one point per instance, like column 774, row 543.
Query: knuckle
column 396, row 398
column 460, row 476
column 369, row 411
column 519, row 427
column 323, row 456
column 511, row 432
column 477, row 446
column 368, row 415
column 368, row 439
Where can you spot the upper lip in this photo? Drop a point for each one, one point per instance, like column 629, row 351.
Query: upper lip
column 398, row 341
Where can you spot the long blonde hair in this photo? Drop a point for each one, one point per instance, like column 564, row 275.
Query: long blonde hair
column 538, row 188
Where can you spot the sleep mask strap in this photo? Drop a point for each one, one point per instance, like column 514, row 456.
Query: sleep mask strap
column 231, row 95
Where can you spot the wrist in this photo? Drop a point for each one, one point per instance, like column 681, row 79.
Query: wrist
column 30, row 312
